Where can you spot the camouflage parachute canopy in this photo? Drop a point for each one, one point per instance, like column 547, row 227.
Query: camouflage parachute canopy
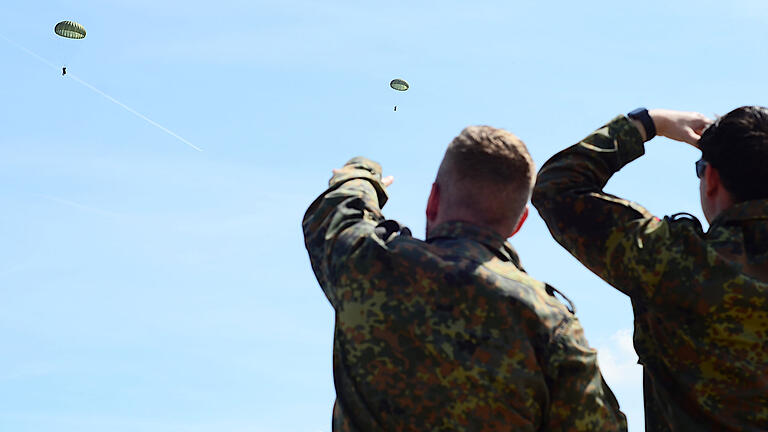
column 70, row 30
column 399, row 84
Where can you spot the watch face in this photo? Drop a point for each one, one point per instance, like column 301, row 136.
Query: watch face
column 636, row 112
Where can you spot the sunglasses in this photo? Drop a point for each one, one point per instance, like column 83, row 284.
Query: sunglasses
column 701, row 164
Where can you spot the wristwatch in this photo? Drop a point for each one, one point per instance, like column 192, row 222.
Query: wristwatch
column 641, row 115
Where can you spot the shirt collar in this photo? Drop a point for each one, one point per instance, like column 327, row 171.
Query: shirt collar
column 743, row 211
column 488, row 237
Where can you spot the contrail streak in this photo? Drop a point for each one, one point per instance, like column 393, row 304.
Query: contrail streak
column 110, row 98
column 30, row 52
column 136, row 113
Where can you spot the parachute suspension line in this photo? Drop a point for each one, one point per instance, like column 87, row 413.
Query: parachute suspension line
column 108, row 97
column 400, row 85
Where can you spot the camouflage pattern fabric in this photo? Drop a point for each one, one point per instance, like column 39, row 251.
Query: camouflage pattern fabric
column 700, row 299
column 448, row 334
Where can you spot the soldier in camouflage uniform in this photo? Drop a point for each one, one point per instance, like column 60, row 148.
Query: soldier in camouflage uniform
column 449, row 333
column 700, row 298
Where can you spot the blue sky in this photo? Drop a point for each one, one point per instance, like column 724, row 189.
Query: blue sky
column 145, row 286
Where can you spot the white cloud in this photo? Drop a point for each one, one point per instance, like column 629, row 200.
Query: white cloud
column 618, row 362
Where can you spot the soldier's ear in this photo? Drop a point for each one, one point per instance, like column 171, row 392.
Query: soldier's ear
column 523, row 217
column 712, row 182
column 433, row 202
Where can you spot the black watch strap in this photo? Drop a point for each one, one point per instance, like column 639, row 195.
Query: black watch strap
column 641, row 115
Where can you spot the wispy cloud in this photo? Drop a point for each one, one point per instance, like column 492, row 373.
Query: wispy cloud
column 99, row 422
column 331, row 35
column 79, row 206
column 618, row 360
column 15, row 371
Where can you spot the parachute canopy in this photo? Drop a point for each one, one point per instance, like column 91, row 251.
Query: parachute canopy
column 399, row 84
column 70, row 29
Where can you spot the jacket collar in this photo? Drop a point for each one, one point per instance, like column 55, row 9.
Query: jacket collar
column 486, row 236
column 743, row 211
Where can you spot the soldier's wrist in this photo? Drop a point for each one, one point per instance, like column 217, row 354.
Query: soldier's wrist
column 362, row 163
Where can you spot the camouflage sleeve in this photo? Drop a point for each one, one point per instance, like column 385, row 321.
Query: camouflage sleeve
column 580, row 400
column 618, row 240
column 342, row 220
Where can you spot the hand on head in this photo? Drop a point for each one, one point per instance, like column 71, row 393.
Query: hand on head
column 681, row 126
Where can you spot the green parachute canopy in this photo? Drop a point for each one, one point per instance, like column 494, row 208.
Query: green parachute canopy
column 399, row 84
column 70, row 30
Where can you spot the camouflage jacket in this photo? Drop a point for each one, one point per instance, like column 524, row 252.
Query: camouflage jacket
column 700, row 299
column 448, row 334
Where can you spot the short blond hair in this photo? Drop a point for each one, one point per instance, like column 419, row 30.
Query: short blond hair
column 488, row 172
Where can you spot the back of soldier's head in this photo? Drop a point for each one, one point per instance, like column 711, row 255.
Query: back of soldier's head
column 487, row 172
column 737, row 146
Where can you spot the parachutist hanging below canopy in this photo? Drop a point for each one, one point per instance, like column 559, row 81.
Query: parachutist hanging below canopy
column 399, row 85
column 69, row 30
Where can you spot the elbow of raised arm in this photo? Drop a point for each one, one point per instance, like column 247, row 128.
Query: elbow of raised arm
column 538, row 198
column 544, row 193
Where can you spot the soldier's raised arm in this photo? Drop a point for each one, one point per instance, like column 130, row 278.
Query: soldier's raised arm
column 617, row 239
column 343, row 220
